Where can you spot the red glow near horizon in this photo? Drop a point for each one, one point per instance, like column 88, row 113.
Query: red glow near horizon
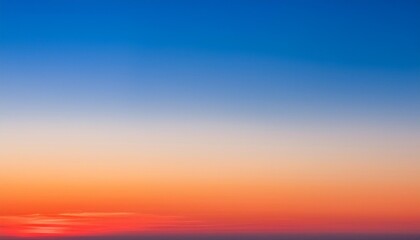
column 71, row 224
column 104, row 223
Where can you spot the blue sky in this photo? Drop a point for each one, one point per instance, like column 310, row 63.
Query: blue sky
column 217, row 110
column 254, row 57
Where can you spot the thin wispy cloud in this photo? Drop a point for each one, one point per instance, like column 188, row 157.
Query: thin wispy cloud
column 90, row 223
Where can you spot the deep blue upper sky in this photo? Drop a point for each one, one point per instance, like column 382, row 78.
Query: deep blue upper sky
column 248, row 55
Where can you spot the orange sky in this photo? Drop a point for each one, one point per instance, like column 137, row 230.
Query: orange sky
column 86, row 177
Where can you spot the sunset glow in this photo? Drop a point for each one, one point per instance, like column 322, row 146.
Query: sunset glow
column 130, row 118
column 78, row 224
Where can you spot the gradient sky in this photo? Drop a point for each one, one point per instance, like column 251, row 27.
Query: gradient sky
column 209, row 117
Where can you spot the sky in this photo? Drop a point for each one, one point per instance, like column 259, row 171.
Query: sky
column 209, row 117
